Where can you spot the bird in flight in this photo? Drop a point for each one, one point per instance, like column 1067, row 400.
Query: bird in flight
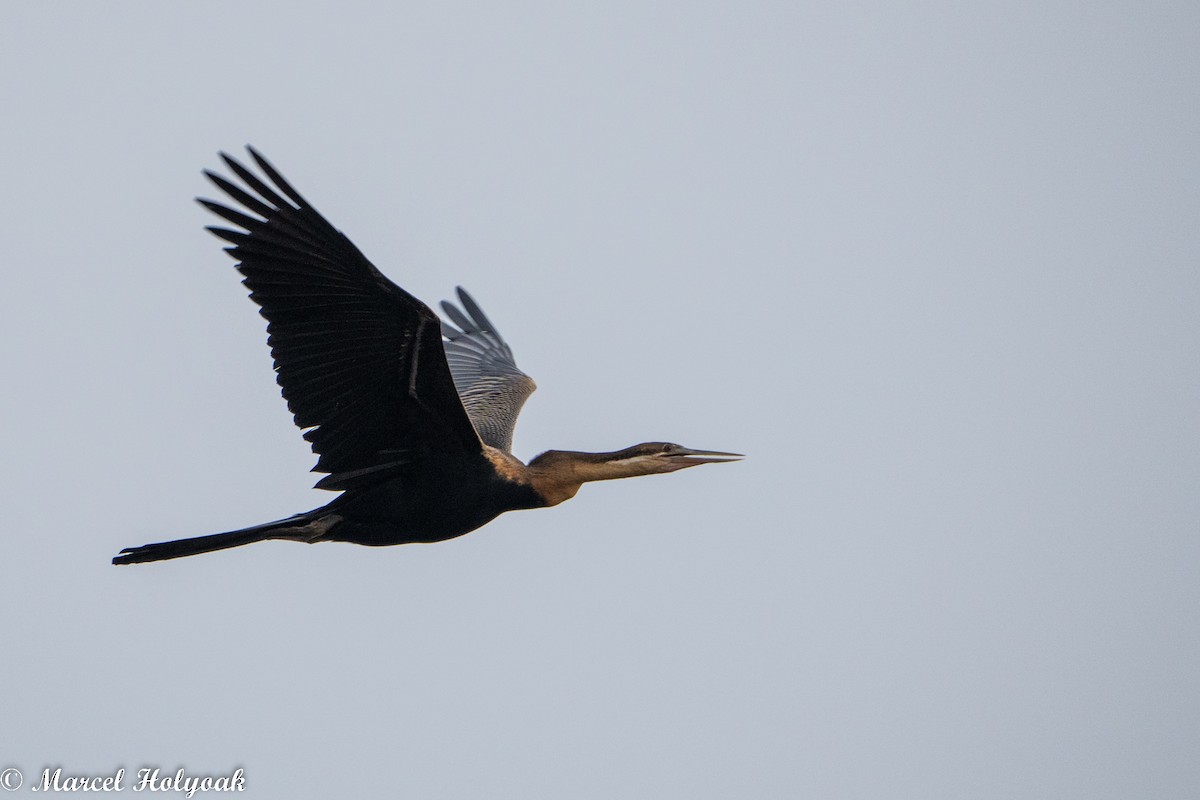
column 411, row 418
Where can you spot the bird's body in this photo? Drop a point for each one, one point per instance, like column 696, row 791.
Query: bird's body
column 450, row 497
column 411, row 418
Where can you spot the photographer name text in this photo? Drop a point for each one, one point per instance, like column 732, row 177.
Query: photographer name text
column 149, row 779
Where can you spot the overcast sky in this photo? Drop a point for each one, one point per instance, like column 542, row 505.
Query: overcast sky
column 932, row 266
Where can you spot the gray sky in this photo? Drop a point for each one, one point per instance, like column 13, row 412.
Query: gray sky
column 932, row 266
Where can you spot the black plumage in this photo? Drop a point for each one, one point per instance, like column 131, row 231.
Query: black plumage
column 418, row 443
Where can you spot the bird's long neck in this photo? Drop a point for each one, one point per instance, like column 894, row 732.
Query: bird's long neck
column 557, row 474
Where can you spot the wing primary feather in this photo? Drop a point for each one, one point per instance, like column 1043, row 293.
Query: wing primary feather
column 253, row 181
column 280, row 218
column 229, row 215
column 457, row 317
column 278, row 179
column 472, row 308
column 240, row 195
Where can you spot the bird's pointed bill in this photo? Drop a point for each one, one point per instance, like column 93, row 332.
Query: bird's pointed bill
column 693, row 457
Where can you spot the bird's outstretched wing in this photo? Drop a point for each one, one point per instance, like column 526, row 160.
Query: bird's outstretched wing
column 488, row 381
column 359, row 359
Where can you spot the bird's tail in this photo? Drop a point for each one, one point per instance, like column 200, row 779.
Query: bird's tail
column 306, row 527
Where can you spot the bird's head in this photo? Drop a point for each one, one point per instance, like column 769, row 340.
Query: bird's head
column 651, row 458
column 558, row 474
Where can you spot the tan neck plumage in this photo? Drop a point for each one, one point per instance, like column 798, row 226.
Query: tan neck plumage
column 557, row 475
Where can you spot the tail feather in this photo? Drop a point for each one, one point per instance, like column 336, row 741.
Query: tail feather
column 302, row 527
